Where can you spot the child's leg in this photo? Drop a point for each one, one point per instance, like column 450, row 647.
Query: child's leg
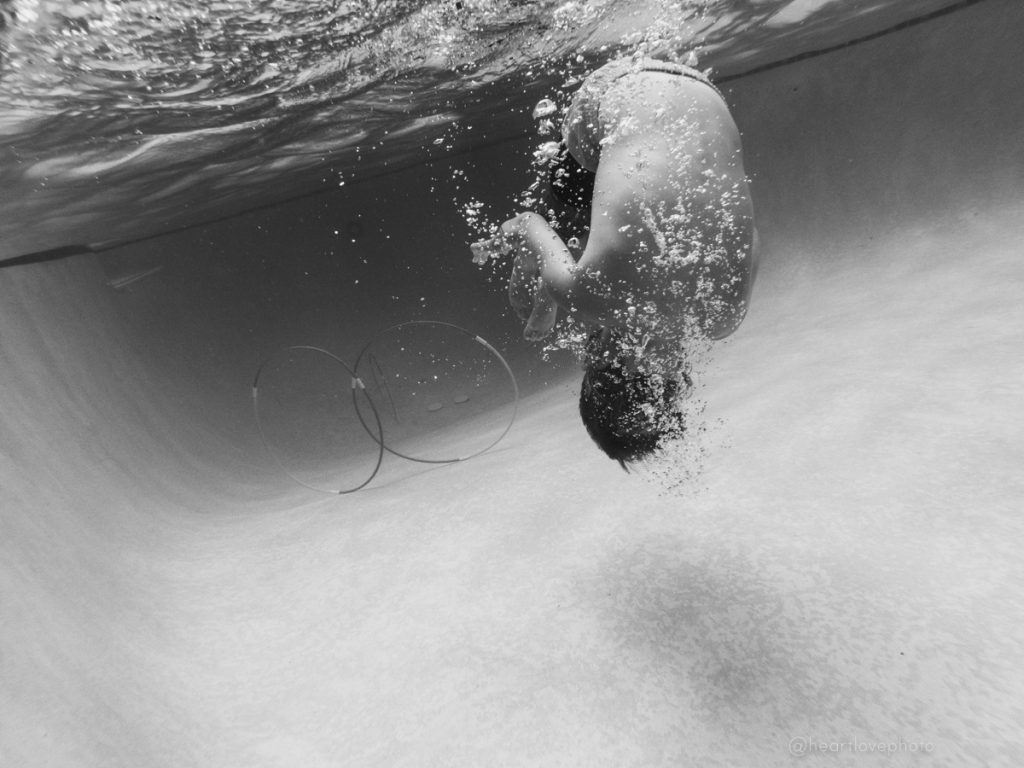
column 542, row 319
column 521, row 287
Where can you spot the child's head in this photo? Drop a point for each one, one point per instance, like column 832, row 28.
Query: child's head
column 627, row 411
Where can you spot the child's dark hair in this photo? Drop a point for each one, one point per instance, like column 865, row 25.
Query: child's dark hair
column 628, row 415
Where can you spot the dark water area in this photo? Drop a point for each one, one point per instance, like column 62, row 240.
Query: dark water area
column 331, row 270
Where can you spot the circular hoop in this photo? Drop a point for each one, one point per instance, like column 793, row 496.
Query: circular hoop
column 504, row 363
column 357, row 384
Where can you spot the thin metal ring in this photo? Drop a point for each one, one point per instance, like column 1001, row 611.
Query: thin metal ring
column 356, row 384
column 479, row 340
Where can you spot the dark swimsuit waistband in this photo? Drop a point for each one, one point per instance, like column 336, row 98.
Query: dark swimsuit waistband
column 672, row 68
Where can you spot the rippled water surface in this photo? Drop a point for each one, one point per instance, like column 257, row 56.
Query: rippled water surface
column 123, row 119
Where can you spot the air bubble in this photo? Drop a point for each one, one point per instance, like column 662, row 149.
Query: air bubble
column 544, row 108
